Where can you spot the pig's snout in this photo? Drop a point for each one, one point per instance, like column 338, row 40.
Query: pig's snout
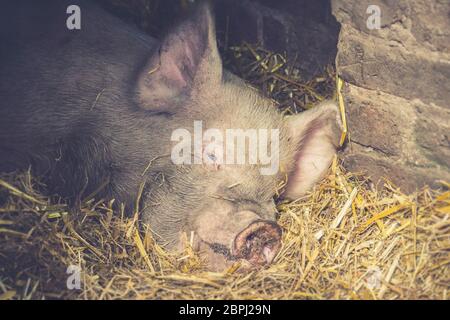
column 227, row 236
column 258, row 243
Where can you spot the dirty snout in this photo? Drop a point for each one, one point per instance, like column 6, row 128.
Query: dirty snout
column 242, row 235
column 258, row 243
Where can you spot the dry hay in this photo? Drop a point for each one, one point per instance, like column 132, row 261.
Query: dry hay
column 346, row 239
column 279, row 78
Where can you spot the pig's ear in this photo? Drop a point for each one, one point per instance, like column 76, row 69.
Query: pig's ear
column 315, row 135
column 186, row 62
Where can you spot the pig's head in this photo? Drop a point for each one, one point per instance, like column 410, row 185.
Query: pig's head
column 228, row 206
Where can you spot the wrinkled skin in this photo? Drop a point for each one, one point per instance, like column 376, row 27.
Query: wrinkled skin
column 100, row 104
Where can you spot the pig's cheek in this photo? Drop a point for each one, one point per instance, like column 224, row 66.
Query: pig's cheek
column 216, row 262
column 213, row 228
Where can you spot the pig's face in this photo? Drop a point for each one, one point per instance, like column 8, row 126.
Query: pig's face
column 228, row 206
column 235, row 218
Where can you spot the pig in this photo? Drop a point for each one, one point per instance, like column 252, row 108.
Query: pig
column 93, row 111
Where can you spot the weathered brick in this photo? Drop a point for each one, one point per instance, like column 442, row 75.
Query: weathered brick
column 373, row 122
column 404, row 140
column 432, row 133
column 407, row 178
column 412, row 23
column 373, row 63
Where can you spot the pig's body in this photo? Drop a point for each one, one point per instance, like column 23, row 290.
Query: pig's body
column 67, row 98
column 97, row 105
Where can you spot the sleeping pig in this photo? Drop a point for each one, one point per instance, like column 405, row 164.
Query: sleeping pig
column 103, row 104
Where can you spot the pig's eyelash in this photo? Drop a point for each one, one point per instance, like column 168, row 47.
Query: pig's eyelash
column 218, row 196
column 212, row 156
column 216, row 166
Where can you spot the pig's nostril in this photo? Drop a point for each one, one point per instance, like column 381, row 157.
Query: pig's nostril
column 258, row 243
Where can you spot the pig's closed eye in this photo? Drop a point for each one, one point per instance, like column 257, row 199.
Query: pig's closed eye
column 213, row 160
column 212, row 157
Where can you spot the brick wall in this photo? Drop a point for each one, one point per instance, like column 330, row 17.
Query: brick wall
column 398, row 89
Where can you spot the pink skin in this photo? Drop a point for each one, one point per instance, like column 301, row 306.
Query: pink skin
column 224, row 239
column 258, row 243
